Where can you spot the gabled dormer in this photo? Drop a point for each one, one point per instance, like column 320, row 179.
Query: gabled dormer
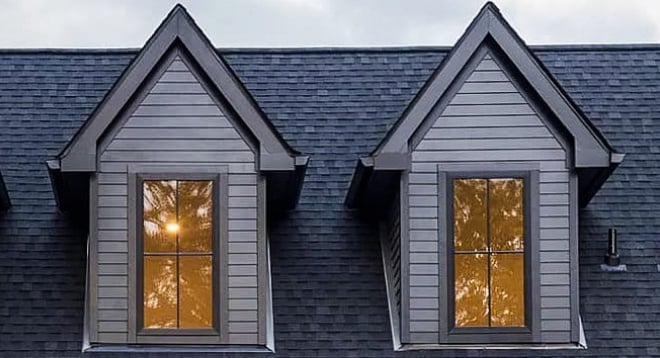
column 178, row 167
column 477, row 188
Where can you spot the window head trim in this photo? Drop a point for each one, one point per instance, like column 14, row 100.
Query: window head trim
column 466, row 335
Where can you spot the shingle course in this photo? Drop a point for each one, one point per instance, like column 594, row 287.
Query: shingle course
column 334, row 105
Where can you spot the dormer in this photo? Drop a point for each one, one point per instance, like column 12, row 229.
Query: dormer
column 477, row 188
column 178, row 168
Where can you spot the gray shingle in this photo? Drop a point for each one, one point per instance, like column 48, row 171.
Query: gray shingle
column 335, row 105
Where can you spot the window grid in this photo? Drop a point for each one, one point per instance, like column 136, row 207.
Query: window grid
column 489, row 251
column 177, row 253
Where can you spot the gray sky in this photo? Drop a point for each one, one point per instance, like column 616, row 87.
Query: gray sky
column 296, row 23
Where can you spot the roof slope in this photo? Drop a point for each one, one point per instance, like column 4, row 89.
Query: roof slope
column 334, row 105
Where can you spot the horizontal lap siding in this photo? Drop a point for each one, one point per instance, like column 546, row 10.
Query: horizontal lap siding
column 177, row 123
column 393, row 242
column 423, row 257
column 489, row 121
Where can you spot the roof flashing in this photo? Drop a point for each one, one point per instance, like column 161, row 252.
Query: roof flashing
column 5, row 202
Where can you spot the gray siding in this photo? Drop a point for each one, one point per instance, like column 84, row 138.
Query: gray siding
column 488, row 120
column 392, row 241
column 177, row 123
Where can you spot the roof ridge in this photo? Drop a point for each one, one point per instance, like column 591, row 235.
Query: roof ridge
column 339, row 49
column 596, row 47
column 334, row 49
column 91, row 50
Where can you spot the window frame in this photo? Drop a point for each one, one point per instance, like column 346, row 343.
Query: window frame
column 215, row 294
column 530, row 333
column 218, row 333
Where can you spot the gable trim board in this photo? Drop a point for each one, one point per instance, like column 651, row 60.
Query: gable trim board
column 592, row 154
column 178, row 29
column 284, row 167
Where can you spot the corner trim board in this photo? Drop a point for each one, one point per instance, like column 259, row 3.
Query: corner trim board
column 92, row 265
column 574, row 267
column 404, row 226
column 262, row 269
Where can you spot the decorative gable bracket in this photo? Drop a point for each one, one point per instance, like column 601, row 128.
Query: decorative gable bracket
column 282, row 165
column 592, row 156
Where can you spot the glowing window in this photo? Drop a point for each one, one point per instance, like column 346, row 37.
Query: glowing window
column 177, row 254
column 488, row 252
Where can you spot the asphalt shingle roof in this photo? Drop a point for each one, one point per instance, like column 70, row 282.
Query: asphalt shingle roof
column 334, row 105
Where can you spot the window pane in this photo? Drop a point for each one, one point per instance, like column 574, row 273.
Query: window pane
column 507, row 290
column 195, row 216
column 160, row 292
column 505, row 204
column 159, row 216
column 195, row 305
column 470, row 215
column 471, row 290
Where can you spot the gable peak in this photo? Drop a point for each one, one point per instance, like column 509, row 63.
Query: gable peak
column 178, row 10
column 489, row 6
column 179, row 29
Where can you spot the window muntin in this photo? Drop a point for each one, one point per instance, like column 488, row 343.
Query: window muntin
column 177, row 255
column 488, row 252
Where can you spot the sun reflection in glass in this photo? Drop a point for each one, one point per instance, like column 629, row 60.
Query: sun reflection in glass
column 172, row 227
column 178, row 254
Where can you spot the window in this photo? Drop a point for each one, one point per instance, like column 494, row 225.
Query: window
column 488, row 254
column 177, row 254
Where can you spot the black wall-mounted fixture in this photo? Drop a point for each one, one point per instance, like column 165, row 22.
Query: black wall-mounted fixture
column 612, row 257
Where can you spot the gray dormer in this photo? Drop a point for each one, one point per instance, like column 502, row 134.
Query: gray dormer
column 177, row 168
column 477, row 188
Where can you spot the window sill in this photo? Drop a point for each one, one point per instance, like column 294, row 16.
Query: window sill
column 113, row 348
column 178, row 332
column 491, row 336
column 417, row 347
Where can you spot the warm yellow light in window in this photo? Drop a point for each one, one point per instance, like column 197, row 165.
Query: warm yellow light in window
column 172, row 227
column 489, row 253
column 178, row 277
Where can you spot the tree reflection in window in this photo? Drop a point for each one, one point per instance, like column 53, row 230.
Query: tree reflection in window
column 488, row 252
column 178, row 254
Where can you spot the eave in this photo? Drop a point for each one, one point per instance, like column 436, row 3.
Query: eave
column 592, row 179
column 372, row 186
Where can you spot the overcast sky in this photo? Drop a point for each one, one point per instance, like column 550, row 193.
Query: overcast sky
column 296, row 23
